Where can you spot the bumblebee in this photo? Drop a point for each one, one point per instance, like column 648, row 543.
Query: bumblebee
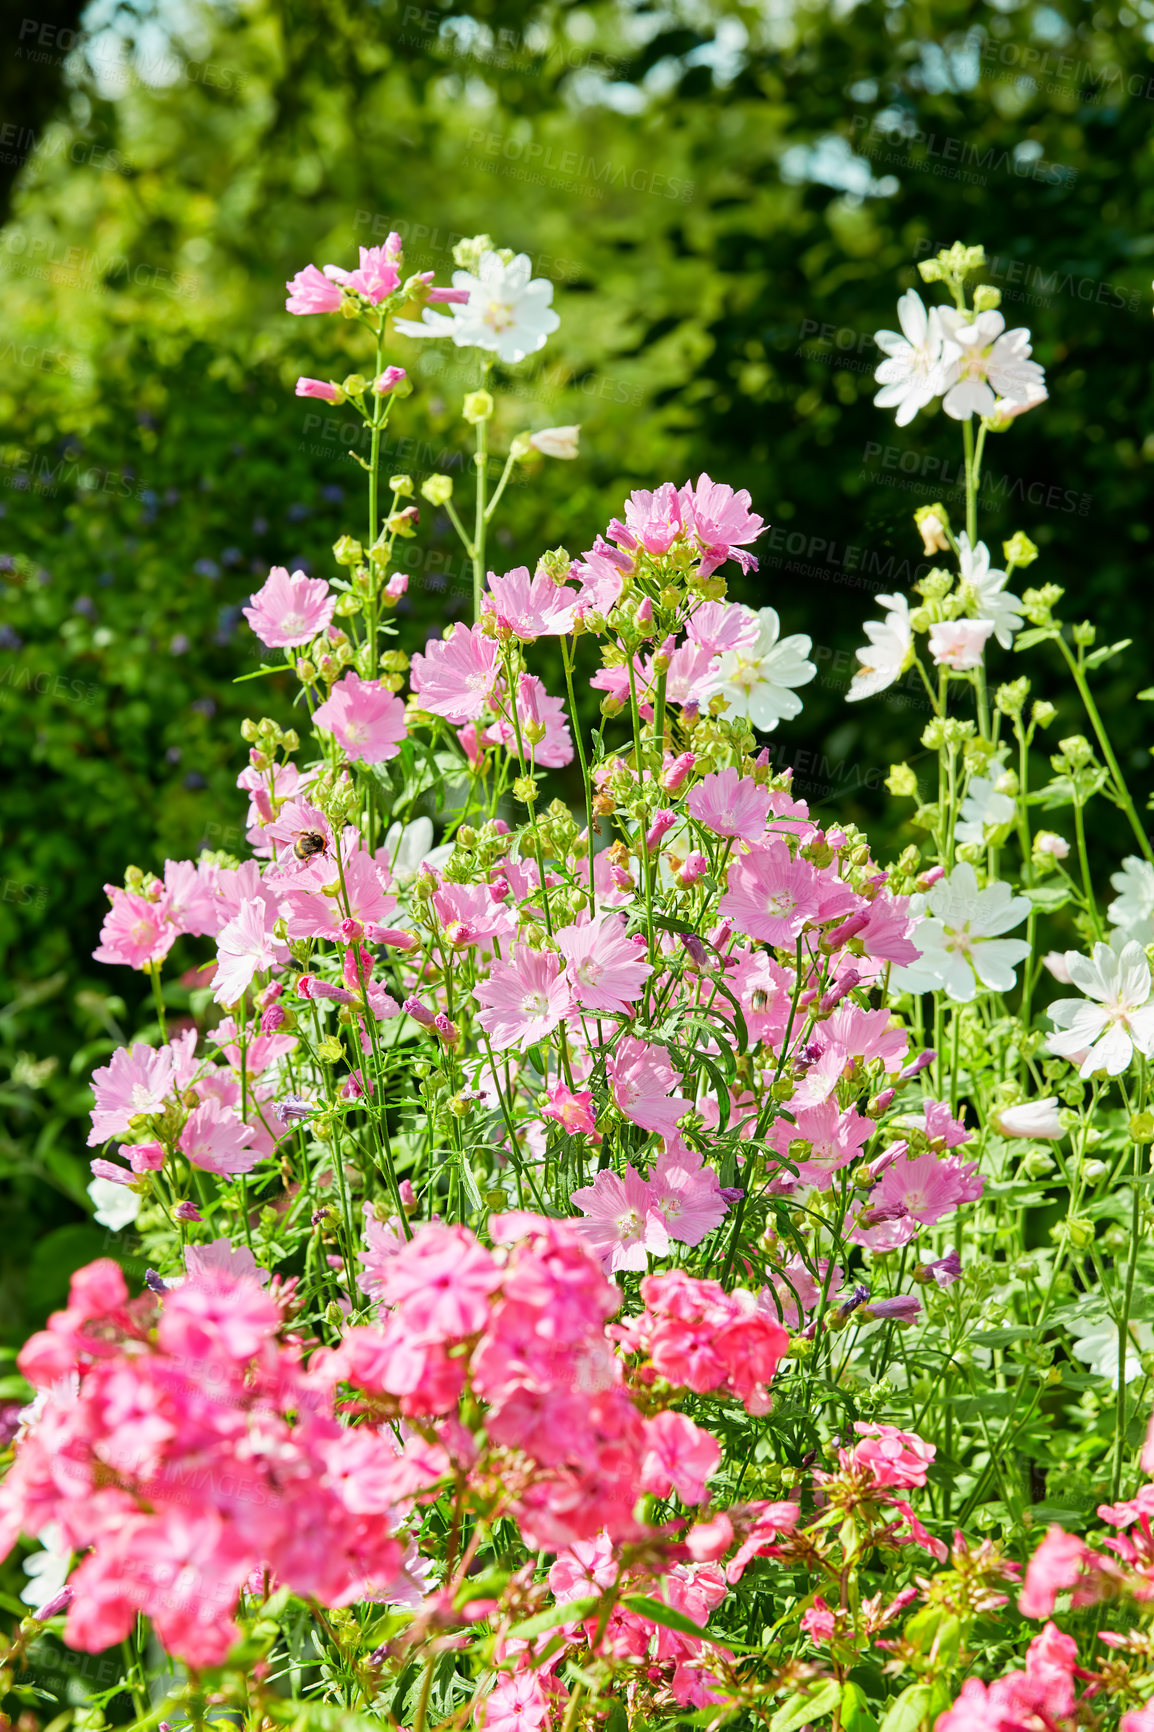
column 308, row 843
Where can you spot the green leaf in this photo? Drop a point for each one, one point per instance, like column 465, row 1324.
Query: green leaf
column 1026, row 640
column 907, row 1711
column 573, row 1611
column 1106, row 653
column 800, row 1710
column 1048, row 897
column 855, row 1709
column 657, row 1613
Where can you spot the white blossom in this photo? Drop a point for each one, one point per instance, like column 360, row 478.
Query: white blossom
column 984, row 808
column 757, row 679
column 961, row 939
column 47, row 1570
column 508, row 310
column 888, row 653
column 985, row 362
column 912, row 374
column 117, row 1206
column 1133, row 907
column 984, row 591
column 1115, row 1017
column 1037, row 1119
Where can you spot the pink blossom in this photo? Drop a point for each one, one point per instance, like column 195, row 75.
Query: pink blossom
column 310, row 291
column 819, row 1623
column 572, row 1110
column 530, row 607
column 135, row 1082
column 469, row 914
column 441, row 1281
column 681, row 1457
column 835, row 1138
column 189, row 899
column 456, row 675
column 799, row 1291
column 288, row 611
column 215, row 1140
column 246, row 946
column 770, row 895
column 606, row 969
column 892, row 1457
column 523, row 1000
column 730, row 804
column 622, row 1223
column 322, row 388
column 929, row 1188
column 537, row 710
column 959, row 643
column 644, row 1085
column 309, row 913
column 136, row 931
column 1057, row 1565
column 653, row 519
column 600, row 574
column 717, row 626
column 687, row 1195
column 377, row 277
column 367, row 719
column 721, row 521
column 516, row 1704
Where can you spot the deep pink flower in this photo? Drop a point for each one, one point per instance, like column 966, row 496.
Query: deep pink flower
column 441, row 1282
column 893, row 1457
column 1058, row 1564
column 722, row 522
column 322, row 388
column 288, row 611
column 366, row 718
column 573, row 1110
column 607, row 970
column 681, row 1457
column 730, row 805
column 310, row 291
column 530, row 607
column 644, row 1086
column 771, row 895
column 621, row 1220
column 523, row 1000
column 456, row 675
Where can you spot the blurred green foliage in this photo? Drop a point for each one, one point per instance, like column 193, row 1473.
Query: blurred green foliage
column 729, row 198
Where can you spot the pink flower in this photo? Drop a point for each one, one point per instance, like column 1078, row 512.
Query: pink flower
column 959, row 643
column 516, row 1704
column 644, row 1086
column 310, row 291
column 456, row 675
column 366, row 719
column 545, row 735
column 215, row 1139
column 440, row 1282
column 135, row 931
column 928, row 1187
column 730, row 805
column 681, row 1457
column 722, row 522
column 574, row 1111
column 301, row 833
column 687, row 1195
column 322, row 388
column 523, row 1000
column 136, row 1081
column 600, row 573
column 770, row 895
column 653, row 519
column 383, row 384
column 289, row 611
column 893, row 1457
column 530, row 607
column 607, row 970
column 834, row 1137
column 717, row 626
column 1057, row 1565
column 819, row 1623
column 189, row 899
column 377, row 277
column 622, row 1223
column 246, row 946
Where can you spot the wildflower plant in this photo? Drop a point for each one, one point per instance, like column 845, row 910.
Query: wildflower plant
column 628, row 1264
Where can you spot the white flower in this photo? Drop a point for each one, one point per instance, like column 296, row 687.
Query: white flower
column 912, row 374
column 961, row 939
column 1038, row 1119
column 556, row 441
column 47, row 1571
column 984, row 808
column 984, row 591
column 1115, row 1016
column 983, row 362
column 506, row 312
column 116, row 1205
column 1133, row 907
column 959, row 643
column 888, row 653
column 1049, row 842
column 1006, row 411
column 1097, row 1346
column 756, row 678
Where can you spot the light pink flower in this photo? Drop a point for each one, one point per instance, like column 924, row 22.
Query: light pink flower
column 310, row 291
column 607, row 970
column 136, row 1081
column 644, row 1086
column 246, row 946
column 516, row 1704
column 730, row 805
column 771, row 895
column 530, row 607
column 536, row 709
column 722, row 522
column 688, row 1196
column 216, row 1140
column 456, row 675
column 652, row 519
column 834, row 1137
column 572, row 1110
column 322, row 388
column 366, row 719
column 189, row 900
column 523, row 1000
column 959, row 643
column 289, row 611
column 929, row 1188
column 135, row 930
column 377, row 277
column 621, row 1222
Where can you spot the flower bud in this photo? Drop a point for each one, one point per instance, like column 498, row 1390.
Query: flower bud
column 478, row 407
column 437, row 489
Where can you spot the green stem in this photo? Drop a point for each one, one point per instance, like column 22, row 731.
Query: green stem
column 1120, row 788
